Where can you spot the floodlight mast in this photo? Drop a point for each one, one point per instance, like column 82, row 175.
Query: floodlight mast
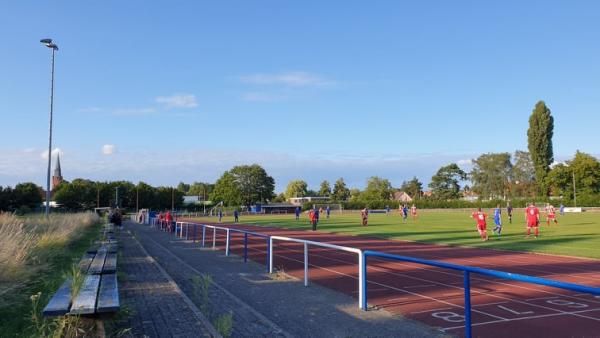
column 48, row 43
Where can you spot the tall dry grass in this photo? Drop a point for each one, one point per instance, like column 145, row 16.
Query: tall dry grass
column 23, row 240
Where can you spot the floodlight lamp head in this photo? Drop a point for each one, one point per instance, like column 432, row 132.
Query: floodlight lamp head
column 46, row 41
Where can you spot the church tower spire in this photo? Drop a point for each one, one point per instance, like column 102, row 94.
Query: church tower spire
column 57, row 177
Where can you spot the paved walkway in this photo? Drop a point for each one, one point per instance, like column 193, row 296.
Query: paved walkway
column 263, row 306
column 152, row 302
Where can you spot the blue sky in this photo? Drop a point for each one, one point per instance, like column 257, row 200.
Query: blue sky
column 170, row 91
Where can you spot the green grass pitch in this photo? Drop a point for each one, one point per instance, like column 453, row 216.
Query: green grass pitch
column 575, row 235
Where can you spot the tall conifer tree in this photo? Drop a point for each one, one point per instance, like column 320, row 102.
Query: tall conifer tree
column 539, row 139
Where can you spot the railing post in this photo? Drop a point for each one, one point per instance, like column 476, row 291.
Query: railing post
column 270, row 255
column 362, row 281
column 195, row 226
column 227, row 243
column 187, row 230
column 269, row 249
column 203, row 234
column 305, row 264
column 467, row 286
column 214, row 238
column 245, row 247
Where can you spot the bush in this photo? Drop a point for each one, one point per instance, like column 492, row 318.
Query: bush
column 23, row 210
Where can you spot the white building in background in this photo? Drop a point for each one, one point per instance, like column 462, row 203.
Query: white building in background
column 192, row 200
column 302, row 200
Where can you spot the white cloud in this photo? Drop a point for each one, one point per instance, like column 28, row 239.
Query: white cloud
column 293, row 79
column 178, row 101
column 134, row 112
column 55, row 151
column 109, row 149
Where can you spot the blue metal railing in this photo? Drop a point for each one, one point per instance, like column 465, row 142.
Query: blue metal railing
column 467, row 270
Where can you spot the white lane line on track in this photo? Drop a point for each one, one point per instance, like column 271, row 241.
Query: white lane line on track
column 388, row 286
column 432, row 310
column 488, row 304
column 418, row 286
column 386, row 270
column 380, row 289
column 541, row 298
column 473, row 278
column 574, row 313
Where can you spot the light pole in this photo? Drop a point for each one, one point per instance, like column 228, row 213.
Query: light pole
column 48, row 43
column 574, row 190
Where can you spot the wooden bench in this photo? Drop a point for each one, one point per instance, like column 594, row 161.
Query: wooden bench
column 99, row 292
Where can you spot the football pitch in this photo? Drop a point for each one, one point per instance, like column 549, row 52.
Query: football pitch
column 575, row 235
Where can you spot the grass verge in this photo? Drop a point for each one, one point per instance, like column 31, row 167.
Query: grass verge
column 45, row 253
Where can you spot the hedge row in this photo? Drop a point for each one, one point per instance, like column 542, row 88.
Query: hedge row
column 582, row 200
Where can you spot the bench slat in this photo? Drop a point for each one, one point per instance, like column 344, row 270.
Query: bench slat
column 98, row 262
column 110, row 264
column 108, row 297
column 60, row 303
column 85, row 302
column 93, row 249
column 84, row 263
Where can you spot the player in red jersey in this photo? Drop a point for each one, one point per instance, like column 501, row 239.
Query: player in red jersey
column 413, row 212
column 532, row 217
column 480, row 217
column 550, row 214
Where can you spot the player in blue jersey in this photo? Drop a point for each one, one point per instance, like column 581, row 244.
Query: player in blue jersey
column 297, row 212
column 498, row 220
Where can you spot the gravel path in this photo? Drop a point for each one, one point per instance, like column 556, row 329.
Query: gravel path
column 153, row 304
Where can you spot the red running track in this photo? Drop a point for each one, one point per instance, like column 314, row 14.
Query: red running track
column 435, row 296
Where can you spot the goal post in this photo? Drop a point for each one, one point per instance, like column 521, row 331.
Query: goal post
column 337, row 207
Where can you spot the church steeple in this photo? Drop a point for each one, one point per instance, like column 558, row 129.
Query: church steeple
column 57, row 177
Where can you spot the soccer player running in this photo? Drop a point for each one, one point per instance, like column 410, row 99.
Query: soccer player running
column 297, row 211
column 550, row 214
column 413, row 212
column 328, row 211
column 313, row 219
column 480, row 217
column 532, row 217
column 364, row 215
column 404, row 212
column 509, row 210
column 498, row 220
